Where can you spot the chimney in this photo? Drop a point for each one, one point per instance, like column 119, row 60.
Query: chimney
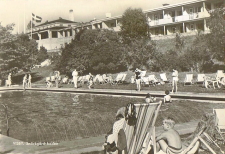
column 108, row 15
column 165, row 4
column 71, row 16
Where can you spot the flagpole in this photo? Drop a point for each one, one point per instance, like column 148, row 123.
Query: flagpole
column 24, row 19
column 31, row 26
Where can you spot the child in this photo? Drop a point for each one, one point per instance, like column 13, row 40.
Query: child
column 149, row 98
column 169, row 141
column 167, row 98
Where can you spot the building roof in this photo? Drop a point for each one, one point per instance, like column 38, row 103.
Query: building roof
column 60, row 20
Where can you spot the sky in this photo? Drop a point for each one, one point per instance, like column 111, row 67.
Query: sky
column 19, row 11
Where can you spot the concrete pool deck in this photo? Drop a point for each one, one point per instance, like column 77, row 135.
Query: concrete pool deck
column 13, row 146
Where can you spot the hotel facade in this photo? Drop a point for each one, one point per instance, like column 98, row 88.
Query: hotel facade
column 188, row 18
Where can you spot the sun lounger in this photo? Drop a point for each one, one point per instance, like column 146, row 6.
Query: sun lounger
column 146, row 118
column 118, row 79
column 220, row 121
column 153, row 80
column 200, row 78
column 188, row 79
column 164, row 78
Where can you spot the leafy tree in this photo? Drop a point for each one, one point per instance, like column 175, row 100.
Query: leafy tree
column 216, row 38
column 179, row 42
column 42, row 54
column 133, row 24
column 140, row 53
column 15, row 50
column 95, row 51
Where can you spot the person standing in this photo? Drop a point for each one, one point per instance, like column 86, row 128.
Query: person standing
column 175, row 80
column 57, row 74
column 29, row 81
column 90, row 81
column 75, row 76
column 25, row 81
column 9, row 82
column 138, row 79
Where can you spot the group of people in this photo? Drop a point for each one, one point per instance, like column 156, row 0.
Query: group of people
column 166, row 99
column 75, row 79
column 167, row 142
column 27, row 81
column 174, row 79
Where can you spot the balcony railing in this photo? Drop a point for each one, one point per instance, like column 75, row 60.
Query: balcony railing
column 179, row 18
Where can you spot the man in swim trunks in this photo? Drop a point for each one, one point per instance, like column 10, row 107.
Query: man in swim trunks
column 169, row 141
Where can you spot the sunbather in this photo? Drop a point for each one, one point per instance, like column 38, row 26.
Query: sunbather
column 169, row 141
column 116, row 138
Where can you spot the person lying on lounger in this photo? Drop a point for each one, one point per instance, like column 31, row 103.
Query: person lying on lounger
column 169, row 141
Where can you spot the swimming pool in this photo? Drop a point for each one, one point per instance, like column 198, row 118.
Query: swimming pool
column 53, row 117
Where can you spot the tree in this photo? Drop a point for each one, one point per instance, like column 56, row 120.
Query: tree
column 94, row 51
column 140, row 53
column 15, row 50
column 133, row 24
column 42, row 54
column 216, row 38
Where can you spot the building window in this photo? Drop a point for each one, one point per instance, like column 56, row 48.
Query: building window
column 191, row 27
column 156, row 17
column 113, row 25
column 161, row 16
column 198, row 9
column 173, row 29
column 54, row 34
column 191, row 10
column 179, row 13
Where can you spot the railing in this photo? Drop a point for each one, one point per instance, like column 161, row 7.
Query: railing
column 179, row 18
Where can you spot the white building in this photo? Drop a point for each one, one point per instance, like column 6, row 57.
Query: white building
column 187, row 17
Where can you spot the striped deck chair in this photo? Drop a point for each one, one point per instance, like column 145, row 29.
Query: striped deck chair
column 220, row 121
column 146, row 117
column 188, row 79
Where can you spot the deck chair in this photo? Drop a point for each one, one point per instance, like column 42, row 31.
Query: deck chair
column 220, row 121
column 65, row 80
column 100, row 79
column 200, row 78
column 220, row 74
column 188, row 79
column 164, row 78
column 123, row 78
column 192, row 148
column 143, row 73
column 145, row 80
column 153, row 80
column 118, row 79
column 146, row 117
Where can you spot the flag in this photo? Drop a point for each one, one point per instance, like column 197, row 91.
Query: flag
column 36, row 18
